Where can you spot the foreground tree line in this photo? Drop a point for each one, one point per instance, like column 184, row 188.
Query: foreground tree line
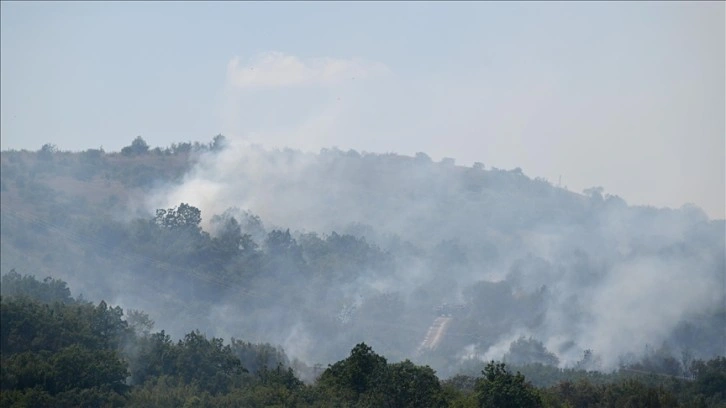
column 59, row 351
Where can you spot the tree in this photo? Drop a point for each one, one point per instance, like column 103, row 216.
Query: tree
column 229, row 239
column 138, row 147
column 218, row 143
column 362, row 372
column 48, row 291
column 207, row 362
column 284, row 254
column 78, row 367
column 46, row 152
column 711, row 378
column 181, row 148
column 107, row 322
column 500, row 389
column 183, row 216
column 60, row 354
column 595, row 193
column 414, row 386
column 256, row 357
column 279, row 376
column 279, row 243
column 155, row 355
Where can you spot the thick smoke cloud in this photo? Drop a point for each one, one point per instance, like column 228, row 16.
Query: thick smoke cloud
column 608, row 277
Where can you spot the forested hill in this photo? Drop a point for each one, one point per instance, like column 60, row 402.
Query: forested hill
column 319, row 252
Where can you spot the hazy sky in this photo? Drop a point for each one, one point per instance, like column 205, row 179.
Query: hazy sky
column 627, row 96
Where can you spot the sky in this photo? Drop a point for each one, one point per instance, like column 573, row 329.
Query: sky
column 627, row 96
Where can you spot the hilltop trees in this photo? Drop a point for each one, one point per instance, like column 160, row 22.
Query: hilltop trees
column 46, row 152
column 138, row 147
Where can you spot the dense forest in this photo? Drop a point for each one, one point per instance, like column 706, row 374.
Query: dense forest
column 276, row 278
column 61, row 351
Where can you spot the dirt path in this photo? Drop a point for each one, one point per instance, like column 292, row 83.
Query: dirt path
column 435, row 334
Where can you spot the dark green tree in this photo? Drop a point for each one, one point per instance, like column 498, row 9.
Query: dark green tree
column 207, row 362
column 363, row 372
column 711, row 378
column 414, row 386
column 501, row 389
column 154, row 356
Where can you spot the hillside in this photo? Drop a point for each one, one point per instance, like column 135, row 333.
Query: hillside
column 319, row 252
